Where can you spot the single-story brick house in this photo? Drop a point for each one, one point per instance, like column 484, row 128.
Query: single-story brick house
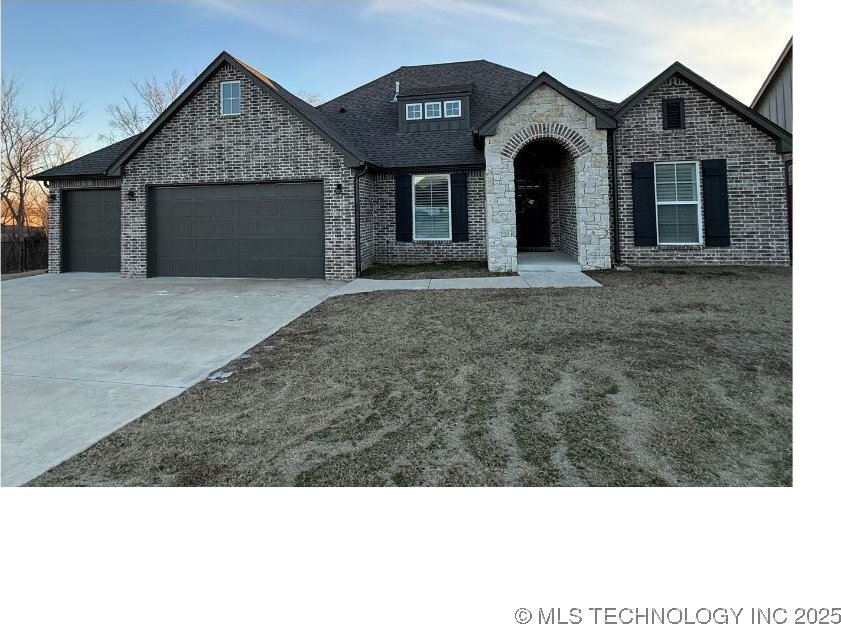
column 453, row 161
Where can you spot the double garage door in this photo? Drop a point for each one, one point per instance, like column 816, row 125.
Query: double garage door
column 234, row 230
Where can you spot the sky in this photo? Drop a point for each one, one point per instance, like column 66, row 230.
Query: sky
column 610, row 48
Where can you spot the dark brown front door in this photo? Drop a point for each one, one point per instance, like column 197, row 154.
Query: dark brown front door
column 532, row 213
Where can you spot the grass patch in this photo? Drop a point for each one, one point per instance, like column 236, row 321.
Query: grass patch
column 655, row 379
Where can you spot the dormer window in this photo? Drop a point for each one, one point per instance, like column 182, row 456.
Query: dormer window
column 452, row 108
column 432, row 110
column 414, row 111
column 230, row 98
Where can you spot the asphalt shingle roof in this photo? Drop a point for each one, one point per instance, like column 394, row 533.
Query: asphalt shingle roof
column 93, row 164
column 371, row 117
column 364, row 121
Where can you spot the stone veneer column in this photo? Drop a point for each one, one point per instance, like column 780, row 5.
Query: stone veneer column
column 546, row 114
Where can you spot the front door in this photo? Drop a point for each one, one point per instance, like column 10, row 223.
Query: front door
column 532, row 213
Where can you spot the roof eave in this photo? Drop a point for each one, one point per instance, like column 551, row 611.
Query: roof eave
column 58, row 176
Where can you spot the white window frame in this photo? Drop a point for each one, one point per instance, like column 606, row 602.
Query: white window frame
column 414, row 118
column 449, row 206
column 452, row 102
column 426, row 114
column 697, row 201
column 222, row 98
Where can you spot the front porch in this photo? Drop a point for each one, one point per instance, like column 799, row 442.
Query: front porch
column 547, row 262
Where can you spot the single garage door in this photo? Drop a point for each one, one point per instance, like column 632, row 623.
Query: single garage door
column 91, row 230
column 238, row 230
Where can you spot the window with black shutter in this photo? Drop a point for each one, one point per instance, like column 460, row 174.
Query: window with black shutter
column 673, row 114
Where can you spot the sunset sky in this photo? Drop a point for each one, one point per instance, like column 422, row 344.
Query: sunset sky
column 93, row 50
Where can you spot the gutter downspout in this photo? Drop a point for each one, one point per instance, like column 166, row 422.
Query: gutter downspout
column 614, row 199
column 356, row 214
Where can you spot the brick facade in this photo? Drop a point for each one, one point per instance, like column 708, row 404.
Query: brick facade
column 755, row 178
column 265, row 142
column 367, row 189
column 388, row 250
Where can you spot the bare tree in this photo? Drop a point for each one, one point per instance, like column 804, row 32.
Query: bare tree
column 133, row 116
column 311, row 98
column 34, row 138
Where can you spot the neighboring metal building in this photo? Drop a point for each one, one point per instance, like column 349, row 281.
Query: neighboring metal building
column 774, row 99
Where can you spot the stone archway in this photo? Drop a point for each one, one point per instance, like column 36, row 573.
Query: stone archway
column 569, row 138
column 546, row 114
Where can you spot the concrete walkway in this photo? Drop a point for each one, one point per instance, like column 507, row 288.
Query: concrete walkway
column 525, row 279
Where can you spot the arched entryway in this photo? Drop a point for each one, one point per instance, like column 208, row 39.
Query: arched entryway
column 544, row 182
column 574, row 160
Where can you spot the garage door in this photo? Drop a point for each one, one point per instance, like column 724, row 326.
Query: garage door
column 90, row 227
column 238, row 230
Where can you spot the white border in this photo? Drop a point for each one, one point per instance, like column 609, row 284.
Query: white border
column 414, row 118
column 449, row 206
column 222, row 98
column 426, row 114
column 446, row 116
column 699, row 242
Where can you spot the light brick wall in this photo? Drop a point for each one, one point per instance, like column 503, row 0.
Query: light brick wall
column 755, row 178
column 265, row 142
column 55, row 190
column 545, row 113
column 388, row 250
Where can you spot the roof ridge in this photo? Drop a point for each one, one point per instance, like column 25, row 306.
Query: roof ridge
column 445, row 63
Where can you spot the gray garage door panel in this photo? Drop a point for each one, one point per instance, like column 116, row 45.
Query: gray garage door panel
column 239, row 230
column 91, row 230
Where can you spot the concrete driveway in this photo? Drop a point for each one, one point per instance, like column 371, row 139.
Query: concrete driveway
column 83, row 354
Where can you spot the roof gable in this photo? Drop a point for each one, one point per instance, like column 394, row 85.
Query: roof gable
column 603, row 118
column 710, row 90
column 310, row 115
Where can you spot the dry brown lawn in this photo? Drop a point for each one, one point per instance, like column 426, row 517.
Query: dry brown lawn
column 662, row 377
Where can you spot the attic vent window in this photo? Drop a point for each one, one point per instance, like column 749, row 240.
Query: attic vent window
column 230, row 97
column 673, row 114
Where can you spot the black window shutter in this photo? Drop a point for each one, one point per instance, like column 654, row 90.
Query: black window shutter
column 645, row 219
column 403, row 206
column 458, row 206
column 716, row 206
